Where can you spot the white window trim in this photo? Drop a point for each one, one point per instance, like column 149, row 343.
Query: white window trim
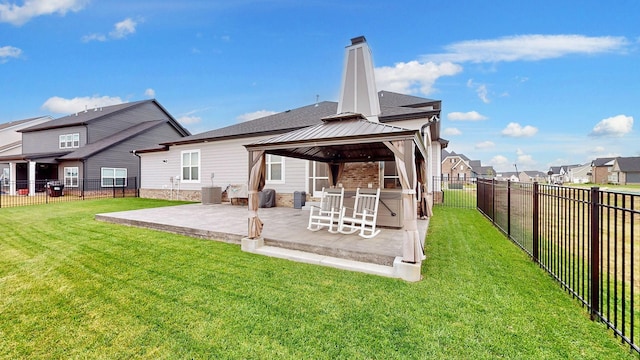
column 268, row 179
column 75, row 141
column 383, row 177
column 114, row 177
column 77, row 177
column 199, row 166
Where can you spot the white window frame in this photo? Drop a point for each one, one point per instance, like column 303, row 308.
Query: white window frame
column 69, row 179
column 269, row 163
column 114, row 177
column 190, row 166
column 69, row 141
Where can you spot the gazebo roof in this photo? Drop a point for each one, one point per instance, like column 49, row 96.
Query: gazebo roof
column 340, row 138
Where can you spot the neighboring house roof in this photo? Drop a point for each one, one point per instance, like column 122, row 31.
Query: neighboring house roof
column 308, row 116
column 606, row 161
column 41, row 157
column 103, row 144
column 10, row 146
column 20, row 122
column 98, row 113
column 555, row 169
column 628, row 164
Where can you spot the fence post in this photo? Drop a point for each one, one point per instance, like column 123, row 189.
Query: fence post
column 536, row 224
column 594, row 262
column 509, row 209
column 493, row 201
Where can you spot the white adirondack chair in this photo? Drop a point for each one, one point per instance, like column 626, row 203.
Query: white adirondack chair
column 328, row 213
column 363, row 215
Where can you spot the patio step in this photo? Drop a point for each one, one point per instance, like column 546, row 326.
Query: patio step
column 323, row 260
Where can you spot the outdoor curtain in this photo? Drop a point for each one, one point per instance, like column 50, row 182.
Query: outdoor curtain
column 412, row 250
column 256, row 184
column 423, row 191
column 335, row 171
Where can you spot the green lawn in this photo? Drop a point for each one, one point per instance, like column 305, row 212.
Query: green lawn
column 71, row 287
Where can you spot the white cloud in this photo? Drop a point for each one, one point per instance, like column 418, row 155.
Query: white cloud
column 413, row 77
column 123, row 28
column 20, row 14
column 150, row 93
column 254, row 115
column 120, row 31
column 483, row 93
column 60, row 105
column 465, row 116
column 189, row 120
column 7, row 52
column 481, row 90
column 451, row 132
column 526, row 161
column 527, row 48
column 517, row 130
column 499, row 162
column 618, row 126
column 485, row 145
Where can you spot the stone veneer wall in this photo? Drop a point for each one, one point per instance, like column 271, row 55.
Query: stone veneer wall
column 282, row 200
column 357, row 175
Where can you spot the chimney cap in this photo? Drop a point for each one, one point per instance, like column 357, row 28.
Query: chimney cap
column 358, row 40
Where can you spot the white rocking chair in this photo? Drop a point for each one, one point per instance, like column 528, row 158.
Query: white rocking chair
column 363, row 216
column 328, row 213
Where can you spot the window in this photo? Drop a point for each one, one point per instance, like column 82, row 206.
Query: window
column 190, row 166
column 69, row 141
column 275, row 169
column 390, row 178
column 71, row 177
column 114, row 177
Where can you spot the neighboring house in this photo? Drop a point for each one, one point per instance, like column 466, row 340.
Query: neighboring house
column 601, row 170
column 92, row 144
column 625, row 171
column 580, row 174
column 219, row 157
column 532, row 176
column 11, row 142
column 508, row 176
column 460, row 167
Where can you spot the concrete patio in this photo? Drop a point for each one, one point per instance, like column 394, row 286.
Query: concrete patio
column 285, row 235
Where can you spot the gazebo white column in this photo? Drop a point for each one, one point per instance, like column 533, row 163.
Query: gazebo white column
column 32, row 178
column 12, row 178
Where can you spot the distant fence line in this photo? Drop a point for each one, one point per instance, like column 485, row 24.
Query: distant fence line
column 585, row 238
column 453, row 192
column 51, row 191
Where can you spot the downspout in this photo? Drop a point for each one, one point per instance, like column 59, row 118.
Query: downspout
column 84, row 176
column 138, row 183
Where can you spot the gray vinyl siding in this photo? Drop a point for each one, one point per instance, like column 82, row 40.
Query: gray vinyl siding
column 117, row 122
column 120, row 156
column 48, row 140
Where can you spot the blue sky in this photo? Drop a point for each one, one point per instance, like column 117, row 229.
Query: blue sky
column 531, row 83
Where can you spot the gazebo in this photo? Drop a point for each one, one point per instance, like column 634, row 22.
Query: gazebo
column 343, row 138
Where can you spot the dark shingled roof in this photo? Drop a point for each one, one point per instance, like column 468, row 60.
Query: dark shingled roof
column 83, row 117
column 602, row 161
column 629, row 164
column 393, row 106
column 18, row 122
column 101, row 145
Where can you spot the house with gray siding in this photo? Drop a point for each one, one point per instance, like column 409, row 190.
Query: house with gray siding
column 96, row 143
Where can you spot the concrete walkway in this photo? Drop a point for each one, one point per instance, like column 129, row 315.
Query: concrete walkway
column 285, row 235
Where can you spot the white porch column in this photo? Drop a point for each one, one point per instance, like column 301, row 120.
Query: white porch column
column 12, row 178
column 32, row 178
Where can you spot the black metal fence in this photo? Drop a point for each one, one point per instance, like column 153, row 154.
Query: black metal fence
column 460, row 193
column 585, row 238
column 22, row 193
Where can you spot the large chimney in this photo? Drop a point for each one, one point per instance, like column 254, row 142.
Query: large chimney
column 358, row 93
